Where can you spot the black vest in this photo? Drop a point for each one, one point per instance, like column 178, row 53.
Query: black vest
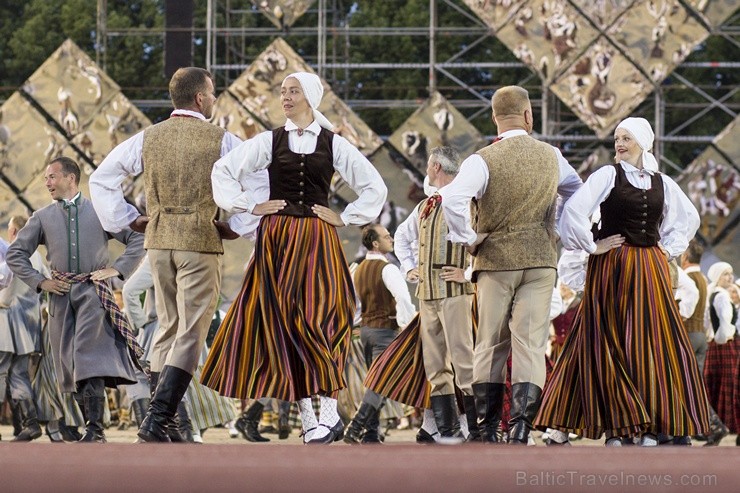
column 302, row 180
column 714, row 317
column 634, row 213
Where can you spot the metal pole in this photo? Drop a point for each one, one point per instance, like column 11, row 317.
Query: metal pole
column 544, row 108
column 101, row 34
column 209, row 33
column 659, row 124
column 322, row 38
column 432, row 47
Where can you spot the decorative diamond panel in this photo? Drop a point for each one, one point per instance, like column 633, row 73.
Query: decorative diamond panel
column 602, row 87
column 712, row 182
column 435, row 123
column 547, row 35
column 258, row 90
column 68, row 107
column 495, row 13
column 31, row 142
column 603, row 12
column 283, row 13
column 232, row 116
column 658, row 35
column 595, row 53
column 715, row 12
column 71, row 88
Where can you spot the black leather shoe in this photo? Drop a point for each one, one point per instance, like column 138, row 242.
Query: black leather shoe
column 336, row 433
column 248, row 423
column 52, row 431
column 682, row 440
column 30, row 428
column 69, row 433
column 423, row 436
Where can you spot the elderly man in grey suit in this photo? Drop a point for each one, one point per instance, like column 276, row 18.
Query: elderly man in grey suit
column 90, row 347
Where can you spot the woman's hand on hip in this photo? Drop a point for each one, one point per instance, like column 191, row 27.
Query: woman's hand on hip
column 328, row 215
column 608, row 243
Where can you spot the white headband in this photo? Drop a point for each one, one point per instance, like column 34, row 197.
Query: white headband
column 313, row 90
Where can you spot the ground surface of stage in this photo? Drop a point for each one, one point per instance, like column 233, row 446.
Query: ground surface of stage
column 224, row 464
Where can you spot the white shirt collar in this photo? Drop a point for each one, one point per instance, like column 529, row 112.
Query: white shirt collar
column 628, row 168
column 73, row 200
column 692, row 268
column 194, row 114
column 512, row 133
column 314, row 127
column 376, row 256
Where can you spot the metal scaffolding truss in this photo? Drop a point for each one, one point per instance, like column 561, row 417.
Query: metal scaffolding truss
column 226, row 38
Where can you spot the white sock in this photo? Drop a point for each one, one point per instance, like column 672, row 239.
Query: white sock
column 328, row 416
column 557, row 436
column 308, row 418
column 464, row 425
column 429, row 424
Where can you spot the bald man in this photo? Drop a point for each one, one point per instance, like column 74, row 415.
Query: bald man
column 516, row 181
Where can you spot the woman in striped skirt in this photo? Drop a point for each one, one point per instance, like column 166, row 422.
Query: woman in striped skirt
column 722, row 366
column 627, row 368
column 287, row 333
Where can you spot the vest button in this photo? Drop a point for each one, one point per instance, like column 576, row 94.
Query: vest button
column 300, row 193
column 301, row 173
column 303, row 156
column 300, row 202
column 642, row 231
column 643, row 222
column 421, row 244
column 301, row 183
column 644, row 214
column 302, row 164
column 644, row 206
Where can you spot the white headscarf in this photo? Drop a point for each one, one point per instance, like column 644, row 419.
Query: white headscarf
column 313, row 90
column 643, row 134
column 716, row 271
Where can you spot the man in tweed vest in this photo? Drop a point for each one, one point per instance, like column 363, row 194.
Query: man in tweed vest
column 445, row 299
column 183, row 234
column 516, row 181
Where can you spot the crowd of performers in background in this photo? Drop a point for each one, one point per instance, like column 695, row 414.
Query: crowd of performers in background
column 618, row 335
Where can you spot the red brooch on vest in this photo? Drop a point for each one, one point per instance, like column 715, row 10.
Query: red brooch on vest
column 430, row 204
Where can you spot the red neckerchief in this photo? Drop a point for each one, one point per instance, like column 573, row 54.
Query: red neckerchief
column 430, row 204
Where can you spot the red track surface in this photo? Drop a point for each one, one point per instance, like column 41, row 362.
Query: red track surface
column 389, row 468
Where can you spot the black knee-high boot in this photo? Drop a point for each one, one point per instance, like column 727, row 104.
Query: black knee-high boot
column 94, row 400
column 525, row 402
column 489, row 401
column 171, row 387
column 30, row 429
column 445, row 414
column 283, row 424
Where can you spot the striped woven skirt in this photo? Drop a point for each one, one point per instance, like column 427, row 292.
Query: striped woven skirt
column 287, row 333
column 398, row 373
column 627, row 366
column 722, row 376
column 355, row 371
